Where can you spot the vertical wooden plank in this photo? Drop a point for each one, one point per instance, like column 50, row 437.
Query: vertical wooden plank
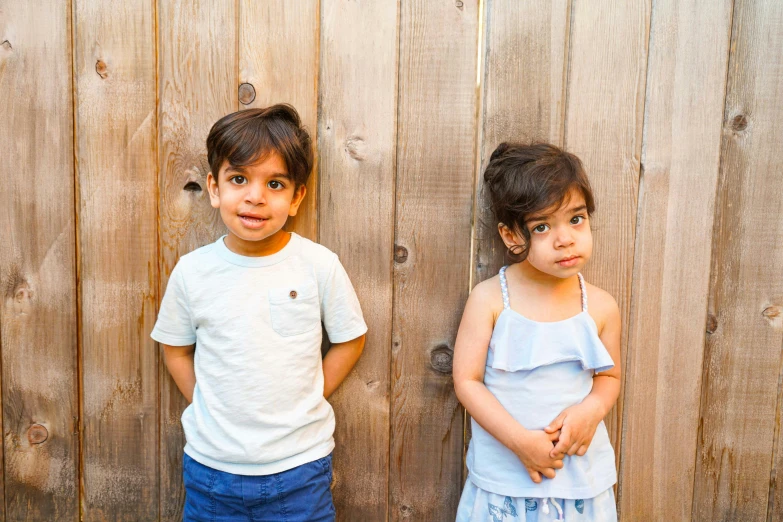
column 739, row 406
column 38, row 318
column 278, row 63
column 116, row 126
column 197, row 62
column 682, row 126
column 356, row 144
column 523, row 92
column 603, row 126
column 435, row 179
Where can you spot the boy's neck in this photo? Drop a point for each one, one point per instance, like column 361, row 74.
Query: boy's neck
column 264, row 247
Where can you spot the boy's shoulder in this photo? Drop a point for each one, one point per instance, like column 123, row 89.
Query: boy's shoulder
column 314, row 252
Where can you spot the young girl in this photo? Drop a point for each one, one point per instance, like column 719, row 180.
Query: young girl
column 536, row 362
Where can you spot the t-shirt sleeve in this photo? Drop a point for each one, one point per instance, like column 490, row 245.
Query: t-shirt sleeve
column 174, row 325
column 340, row 309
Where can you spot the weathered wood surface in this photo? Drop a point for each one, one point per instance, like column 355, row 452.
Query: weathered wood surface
column 116, row 174
column 740, row 403
column 38, row 314
column 682, row 128
column 356, row 145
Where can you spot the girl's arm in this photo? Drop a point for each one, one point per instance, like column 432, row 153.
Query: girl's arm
column 578, row 423
column 179, row 362
column 339, row 361
column 470, row 357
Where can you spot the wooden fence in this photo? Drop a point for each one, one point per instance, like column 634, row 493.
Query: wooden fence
column 676, row 107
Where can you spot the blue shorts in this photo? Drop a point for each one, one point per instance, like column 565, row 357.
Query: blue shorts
column 295, row 495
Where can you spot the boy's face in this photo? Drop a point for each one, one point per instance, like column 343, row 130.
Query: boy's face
column 561, row 241
column 255, row 203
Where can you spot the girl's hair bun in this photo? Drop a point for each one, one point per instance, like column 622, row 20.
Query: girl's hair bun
column 499, row 151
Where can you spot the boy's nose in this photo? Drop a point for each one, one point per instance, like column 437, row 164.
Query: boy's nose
column 255, row 195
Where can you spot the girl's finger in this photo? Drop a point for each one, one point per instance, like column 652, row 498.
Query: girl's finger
column 582, row 450
column 555, row 424
column 535, row 476
column 574, row 449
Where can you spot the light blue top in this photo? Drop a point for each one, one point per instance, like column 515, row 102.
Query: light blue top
column 536, row 370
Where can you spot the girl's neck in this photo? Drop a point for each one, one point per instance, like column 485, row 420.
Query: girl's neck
column 536, row 277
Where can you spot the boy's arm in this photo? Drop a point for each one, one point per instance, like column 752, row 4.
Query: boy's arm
column 179, row 362
column 339, row 361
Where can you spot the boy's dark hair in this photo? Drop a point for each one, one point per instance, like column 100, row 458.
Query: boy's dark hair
column 244, row 137
column 522, row 180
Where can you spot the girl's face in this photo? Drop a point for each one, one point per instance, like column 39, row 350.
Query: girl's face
column 561, row 241
column 255, row 202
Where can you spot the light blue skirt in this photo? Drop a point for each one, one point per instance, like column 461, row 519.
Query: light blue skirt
column 477, row 505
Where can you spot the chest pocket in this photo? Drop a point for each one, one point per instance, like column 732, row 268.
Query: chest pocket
column 295, row 309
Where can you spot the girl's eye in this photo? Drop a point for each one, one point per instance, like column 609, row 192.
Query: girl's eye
column 577, row 220
column 540, row 229
column 275, row 185
column 238, row 180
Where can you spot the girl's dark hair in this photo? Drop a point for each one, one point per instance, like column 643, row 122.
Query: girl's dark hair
column 523, row 180
column 244, row 137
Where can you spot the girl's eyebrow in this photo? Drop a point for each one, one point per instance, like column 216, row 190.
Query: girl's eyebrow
column 544, row 217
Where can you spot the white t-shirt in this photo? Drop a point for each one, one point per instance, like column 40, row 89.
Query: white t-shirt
column 258, row 406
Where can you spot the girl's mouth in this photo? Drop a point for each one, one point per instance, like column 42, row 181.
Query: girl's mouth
column 568, row 262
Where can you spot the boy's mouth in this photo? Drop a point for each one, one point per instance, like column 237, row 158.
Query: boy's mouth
column 252, row 220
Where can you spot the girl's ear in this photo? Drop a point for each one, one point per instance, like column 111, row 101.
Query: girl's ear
column 508, row 237
column 212, row 188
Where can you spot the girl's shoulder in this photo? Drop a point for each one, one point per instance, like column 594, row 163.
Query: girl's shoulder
column 488, row 296
column 602, row 306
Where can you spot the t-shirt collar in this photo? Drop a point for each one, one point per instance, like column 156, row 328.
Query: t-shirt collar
column 291, row 248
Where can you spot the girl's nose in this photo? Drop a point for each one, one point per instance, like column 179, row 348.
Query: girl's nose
column 564, row 237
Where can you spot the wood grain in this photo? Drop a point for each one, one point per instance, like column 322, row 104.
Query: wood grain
column 197, row 60
column 603, row 126
column 739, row 406
column 682, row 128
column 278, row 56
column 523, row 98
column 38, row 316
column 435, row 179
column 356, row 146
column 116, row 124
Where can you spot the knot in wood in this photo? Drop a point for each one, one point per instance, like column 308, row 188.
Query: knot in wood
column 400, row 254
column 354, row 147
column 441, row 358
column 247, row 93
column 101, row 69
column 6, row 45
column 712, row 324
column 739, row 123
column 772, row 312
column 37, row 434
column 406, row 511
column 192, row 186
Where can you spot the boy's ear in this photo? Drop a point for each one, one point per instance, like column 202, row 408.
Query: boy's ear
column 299, row 195
column 212, row 188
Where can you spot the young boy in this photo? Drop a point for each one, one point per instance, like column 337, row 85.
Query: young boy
column 240, row 326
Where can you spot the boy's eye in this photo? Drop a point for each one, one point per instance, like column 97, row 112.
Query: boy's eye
column 275, row 185
column 577, row 220
column 540, row 229
column 238, row 180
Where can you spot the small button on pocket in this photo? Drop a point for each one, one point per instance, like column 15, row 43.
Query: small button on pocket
column 294, row 309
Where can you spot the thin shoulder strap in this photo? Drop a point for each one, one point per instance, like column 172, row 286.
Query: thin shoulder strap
column 504, row 287
column 584, row 291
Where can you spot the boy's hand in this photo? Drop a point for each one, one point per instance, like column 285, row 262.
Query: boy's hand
column 577, row 425
column 534, row 450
